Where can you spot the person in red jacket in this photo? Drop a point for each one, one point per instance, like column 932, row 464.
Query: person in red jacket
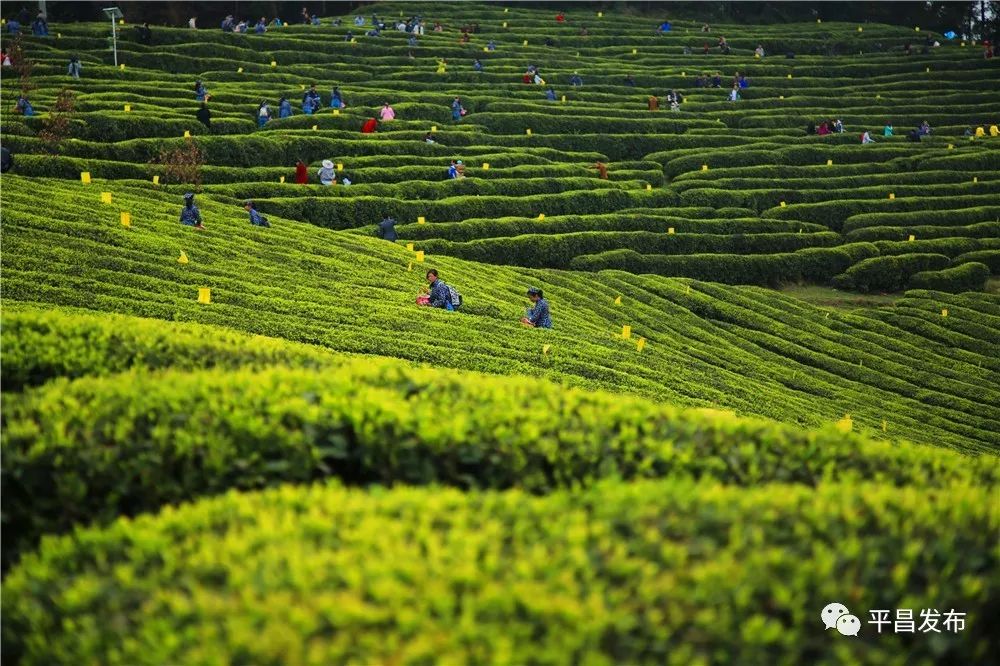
column 301, row 173
column 369, row 126
column 560, row 18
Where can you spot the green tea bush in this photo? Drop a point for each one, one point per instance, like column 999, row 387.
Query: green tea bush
column 147, row 440
column 667, row 572
column 970, row 276
column 889, row 273
column 990, row 258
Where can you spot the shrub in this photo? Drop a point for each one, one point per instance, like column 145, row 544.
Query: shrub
column 655, row 572
column 969, row 276
column 889, row 273
column 991, row 258
column 149, row 440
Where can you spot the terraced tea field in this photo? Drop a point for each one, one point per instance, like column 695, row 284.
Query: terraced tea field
column 310, row 469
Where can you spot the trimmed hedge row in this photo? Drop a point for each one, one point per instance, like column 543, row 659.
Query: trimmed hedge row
column 643, row 573
column 147, row 440
column 39, row 346
column 940, row 218
column 687, row 220
column 990, row 258
column 969, row 276
column 888, row 273
column 872, row 234
column 559, row 250
column 808, row 265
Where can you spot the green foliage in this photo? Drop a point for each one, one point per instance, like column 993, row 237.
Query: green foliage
column 654, row 572
column 890, row 273
column 380, row 423
column 970, row 276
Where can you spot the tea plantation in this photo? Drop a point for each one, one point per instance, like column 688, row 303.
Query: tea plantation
column 248, row 445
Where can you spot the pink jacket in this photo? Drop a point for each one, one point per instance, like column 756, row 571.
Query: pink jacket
column 387, row 113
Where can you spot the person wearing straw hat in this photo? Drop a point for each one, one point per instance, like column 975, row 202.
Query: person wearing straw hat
column 327, row 176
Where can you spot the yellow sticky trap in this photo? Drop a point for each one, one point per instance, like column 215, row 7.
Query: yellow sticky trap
column 315, row 127
column 704, row 167
column 951, row 146
column 525, row 43
column 121, row 21
column 892, row 195
column 829, row 162
column 340, row 166
column 917, row 29
column 274, row 63
column 564, row 98
column 505, row 24
column 928, row 69
column 421, row 220
column 911, row 238
column 626, row 332
column 783, row 204
column 670, row 230
column 239, row 70
column 128, row 108
column 420, row 256
column 860, row 29
column 486, row 166
column 126, row 218
column 781, row 97
column 85, row 177
column 648, row 187
column 122, row 67
column 944, row 312
column 546, row 349
column 410, row 266
column 281, row 179
column 156, row 180
column 618, row 300
column 528, row 131
column 187, row 134
column 975, row 179
column 600, row 14
column 819, row 20
column 183, row 259
column 789, row 76
column 409, row 246
column 486, row 49
column 434, row 128
column 106, row 197
column 354, row 41
column 635, row 51
column 204, row 295
column 506, row 9
column 640, row 344
column 688, row 290
column 336, row 112
column 683, row 74
column 59, row 36
column 541, row 216
column 845, row 424
column 302, row 86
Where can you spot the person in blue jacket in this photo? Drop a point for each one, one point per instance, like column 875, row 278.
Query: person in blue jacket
column 40, row 27
column 200, row 91
column 284, row 108
column 440, row 294
column 312, row 96
column 387, row 229
column 336, row 101
column 550, row 94
column 477, row 65
column 190, row 215
column 256, row 219
column 14, row 27
column 24, row 107
column 261, row 26
column 537, row 316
